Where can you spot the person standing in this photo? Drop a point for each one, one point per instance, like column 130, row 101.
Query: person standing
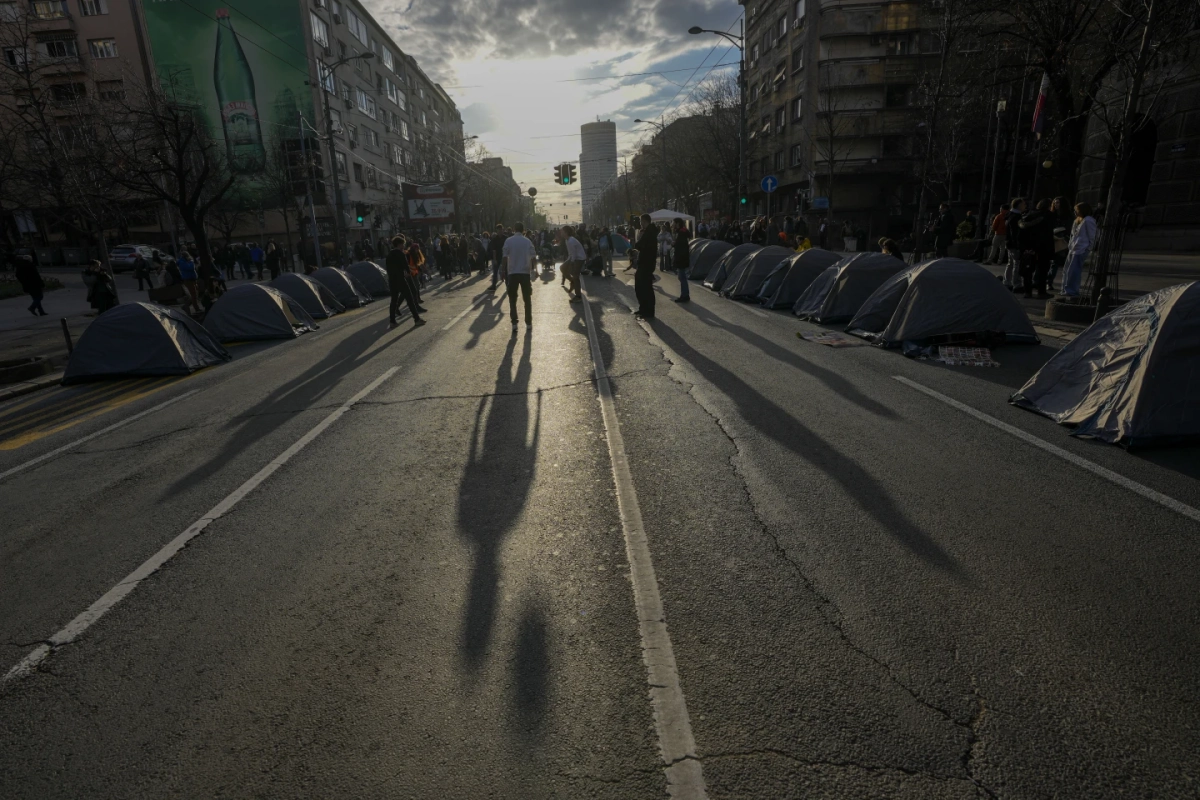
column 517, row 258
column 141, row 271
column 32, row 284
column 643, row 276
column 573, row 266
column 256, row 256
column 999, row 236
column 607, row 248
column 400, row 282
column 272, row 258
column 1037, row 248
column 1012, row 224
column 944, row 230
column 187, row 274
column 823, row 233
column 1083, row 237
column 682, row 262
column 416, row 259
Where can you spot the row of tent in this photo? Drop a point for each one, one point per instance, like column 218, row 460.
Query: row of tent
column 143, row 339
column 1132, row 377
column 879, row 296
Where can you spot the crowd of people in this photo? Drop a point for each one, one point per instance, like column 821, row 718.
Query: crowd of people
column 1035, row 243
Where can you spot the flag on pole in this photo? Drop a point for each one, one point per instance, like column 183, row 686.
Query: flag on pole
column 1039, row 110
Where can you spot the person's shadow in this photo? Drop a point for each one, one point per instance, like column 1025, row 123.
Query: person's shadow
column 495, row 487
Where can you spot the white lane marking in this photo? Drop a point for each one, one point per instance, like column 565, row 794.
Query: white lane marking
column 685, row 776
column 34, row 461
column 1066, row 455
column 116, row 594
column 468, row 309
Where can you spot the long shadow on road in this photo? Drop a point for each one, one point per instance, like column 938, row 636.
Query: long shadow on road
column 779, row 425
column 299, row 394
column 495, row 488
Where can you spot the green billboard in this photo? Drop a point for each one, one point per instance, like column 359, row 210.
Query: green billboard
column 244, row 65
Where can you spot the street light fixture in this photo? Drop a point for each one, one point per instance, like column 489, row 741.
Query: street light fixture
column 739, row 42
column 340, row 213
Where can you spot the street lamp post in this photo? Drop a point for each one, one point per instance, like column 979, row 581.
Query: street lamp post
column 662, row 132
column 739, row 42
column 338, row 235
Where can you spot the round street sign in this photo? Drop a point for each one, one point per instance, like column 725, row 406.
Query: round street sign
column 770, row 184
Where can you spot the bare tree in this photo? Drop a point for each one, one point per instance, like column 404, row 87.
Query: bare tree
column 829, row 138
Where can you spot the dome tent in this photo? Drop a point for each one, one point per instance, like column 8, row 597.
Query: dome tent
column 857, row 277
column 704, row 258
column 313, row 297
column 752, row 269
column 371, row 277
column 944, row 300
column 139, row 340
column 252, row 311
column 716, row 276
column 791, row 277
column 347, row 290
column 1132, row 377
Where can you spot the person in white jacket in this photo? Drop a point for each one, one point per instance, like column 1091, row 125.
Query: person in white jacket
column 1083, row 237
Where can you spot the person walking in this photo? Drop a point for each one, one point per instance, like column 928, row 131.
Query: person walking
column 416, row 260
column 32, row 284
column 496, row 252
column 400, row 282
column 607, row 248
column 517, row 262
column 573, row 266
column 681, row 258
column 643, row 276
column 1083, row 238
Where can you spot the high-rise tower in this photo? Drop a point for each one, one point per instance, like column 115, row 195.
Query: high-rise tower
column 597, row 163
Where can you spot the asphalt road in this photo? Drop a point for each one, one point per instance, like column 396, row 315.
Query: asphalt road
column 404, row 571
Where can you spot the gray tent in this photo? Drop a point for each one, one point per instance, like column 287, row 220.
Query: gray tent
column 703, row 260
column 744, row 281
column 942, row 301
column 716, row 276
column 791, row 277
column 347, row 290
column 857, row 277
column 142, row 339
column 371, row 277
column 253, row 311
column 312, row 296
column 1133, row 377
column 696, row 243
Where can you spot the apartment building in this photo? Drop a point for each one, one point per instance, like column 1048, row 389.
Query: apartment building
column 830, row 88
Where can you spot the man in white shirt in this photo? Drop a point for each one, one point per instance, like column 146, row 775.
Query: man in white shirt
column 572, row 267
column 518, row 254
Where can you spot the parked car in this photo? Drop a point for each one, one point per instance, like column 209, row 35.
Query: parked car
column 121, row 257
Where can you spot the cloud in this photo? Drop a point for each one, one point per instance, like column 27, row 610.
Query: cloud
column 479, row 118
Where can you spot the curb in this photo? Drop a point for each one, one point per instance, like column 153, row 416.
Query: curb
column 26, row 387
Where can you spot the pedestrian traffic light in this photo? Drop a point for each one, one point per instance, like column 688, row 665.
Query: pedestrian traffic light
column 558, row 174
column 360, row 211
column 570, row 174
column 743, row 199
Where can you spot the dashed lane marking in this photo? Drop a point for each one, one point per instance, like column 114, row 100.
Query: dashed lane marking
column 75, row 628
column 677, row 746
column 1065, row 455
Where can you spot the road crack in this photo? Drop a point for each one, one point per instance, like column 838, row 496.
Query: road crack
column 540, row 390
column 876, row 769
column 829, row 610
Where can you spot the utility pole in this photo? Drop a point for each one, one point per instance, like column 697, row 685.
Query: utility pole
column 339, row 221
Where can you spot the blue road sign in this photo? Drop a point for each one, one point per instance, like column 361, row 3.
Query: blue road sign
column 769, row 184
column 820, row 203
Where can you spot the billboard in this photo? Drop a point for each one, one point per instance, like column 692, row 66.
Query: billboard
column 430, row 203
column 248, row 81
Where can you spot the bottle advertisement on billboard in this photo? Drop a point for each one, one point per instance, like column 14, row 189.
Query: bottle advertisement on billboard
column 244, row 66
column 429, row 203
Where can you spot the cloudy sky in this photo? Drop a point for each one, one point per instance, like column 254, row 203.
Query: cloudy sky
column 512, row 67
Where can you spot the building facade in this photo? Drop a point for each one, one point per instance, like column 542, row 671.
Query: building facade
column 597, row 162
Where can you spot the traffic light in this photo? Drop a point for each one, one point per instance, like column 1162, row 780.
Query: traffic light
column 558, row 174
column 570, row 174
column 743, row 199
column 360, row 211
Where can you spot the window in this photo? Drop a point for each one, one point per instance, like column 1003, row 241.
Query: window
column 93, row 8
column 366, row 103
column 798, row 59
column 341, row 48
column 797, row 109
column 58, row 48
column 67, row 92
column 357, row 28
column 358, row 172
column 110, row 90
column 16, row 57
column 779, row 161
column 899, row 45
column 780, row 118
column 388, row 60
column 340, row 160
column 404, row 130
column 352, row 134
column 320, row 30
column 103, row 48
column 372, row 137
column 797, row 155
column 328, row 83
column 424, row 119
column 335, row 120
column 766, row 124
column 782, row 28
column 9, row 12
column 421, row 92
column 396, row 95
column 754, row 54
column 335, row 6
column 780, row 72
column 798, row 13
column 49, row 9
column 896, row 96
column 371, row 179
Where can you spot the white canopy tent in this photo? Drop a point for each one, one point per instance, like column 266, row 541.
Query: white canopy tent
column 667, row 215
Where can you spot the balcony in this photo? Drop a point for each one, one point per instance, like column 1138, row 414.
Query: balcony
column 865, row 166
column 884, row 122
column 870, row 71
